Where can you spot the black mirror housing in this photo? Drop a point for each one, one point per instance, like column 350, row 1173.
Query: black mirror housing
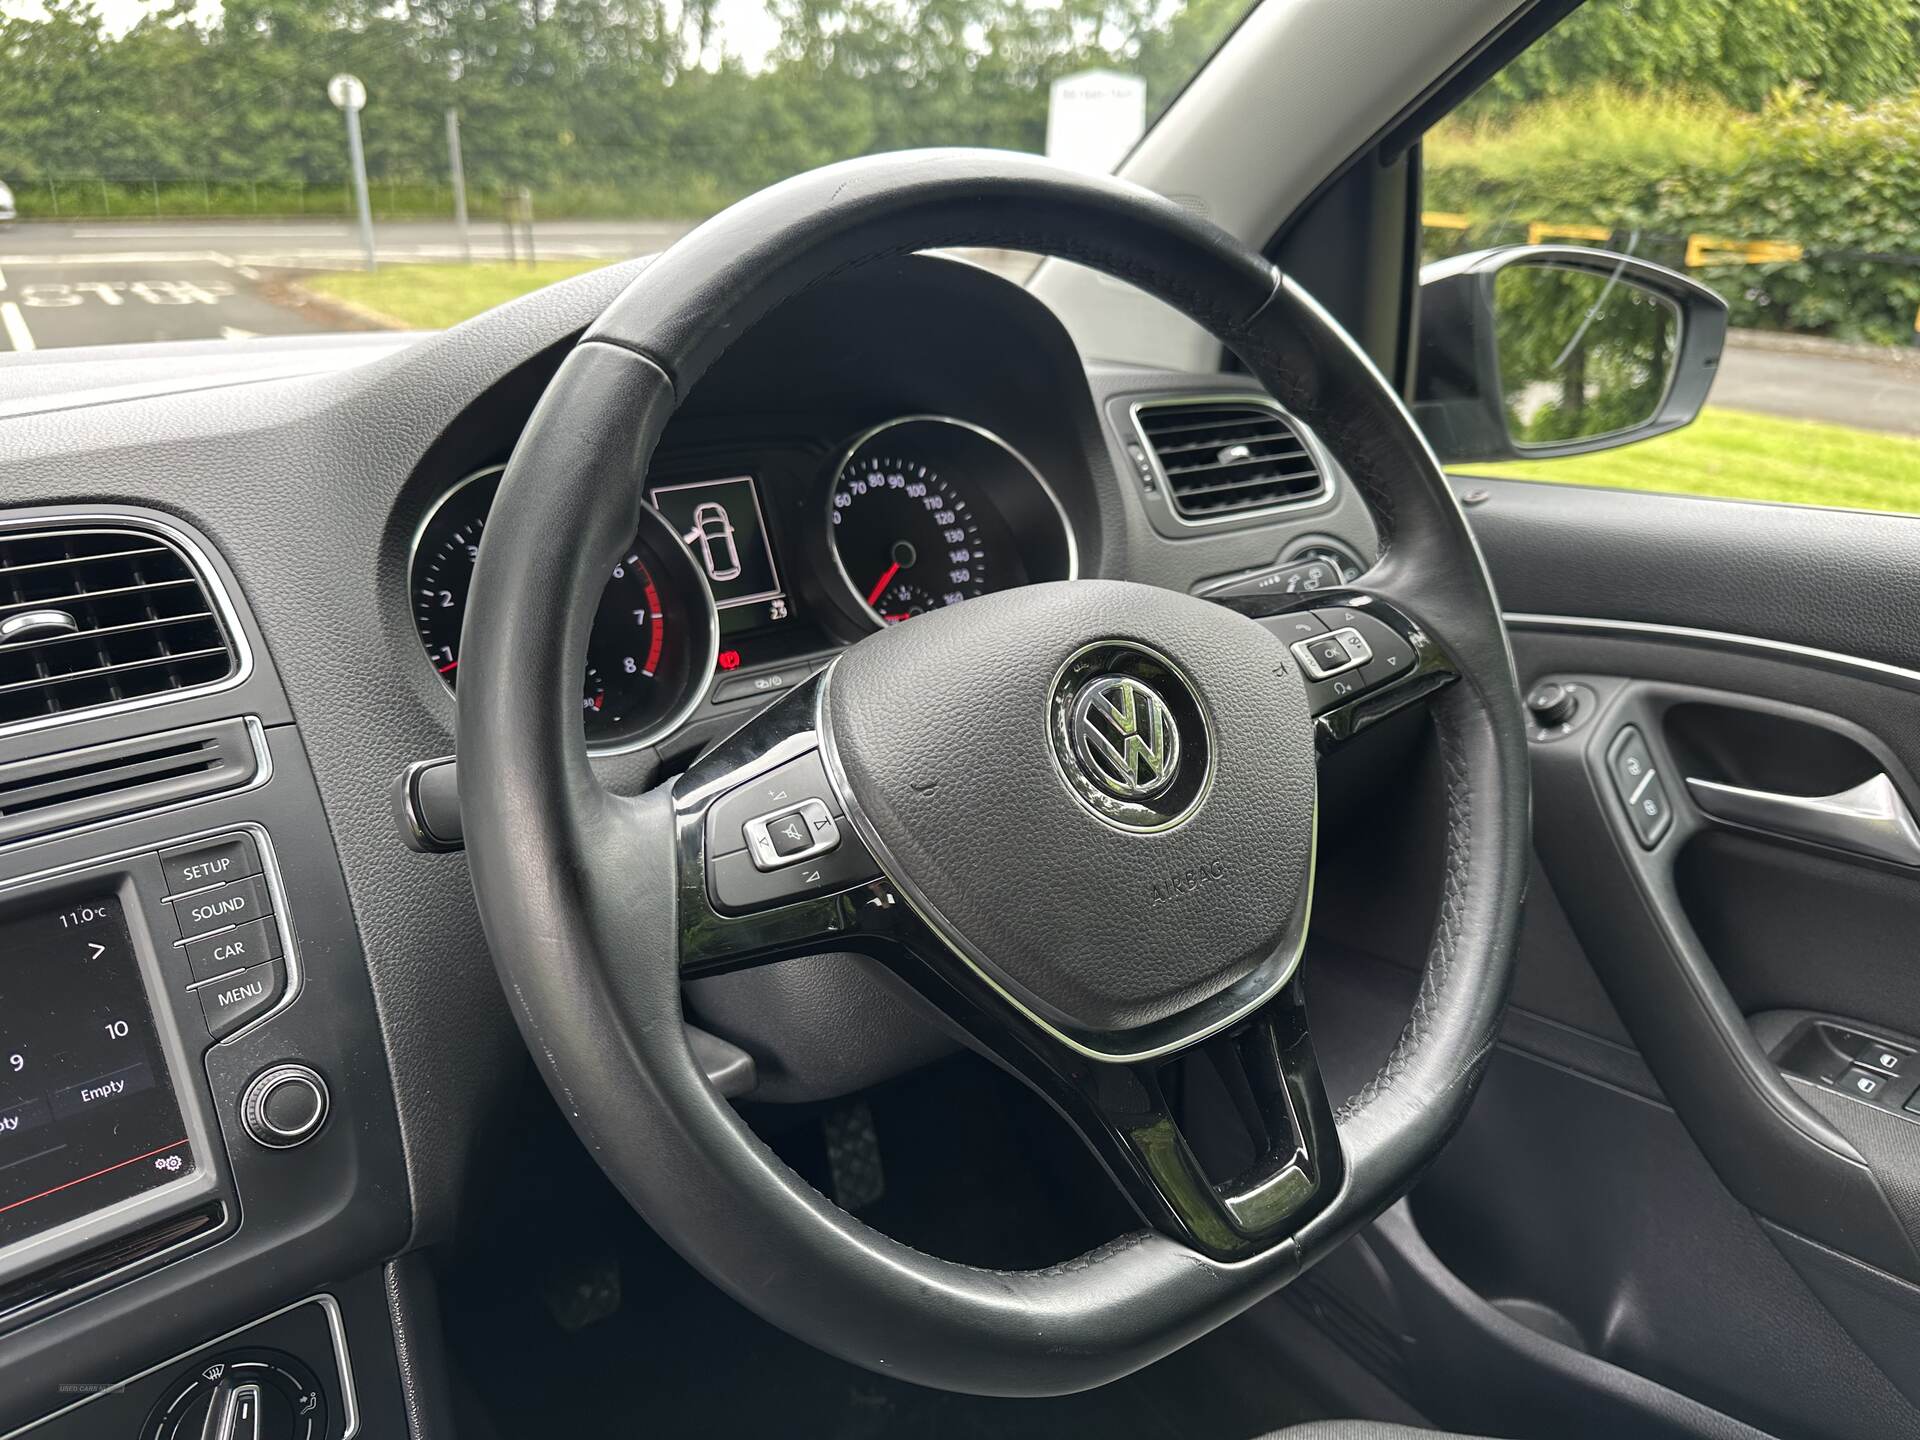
column 1469, row 409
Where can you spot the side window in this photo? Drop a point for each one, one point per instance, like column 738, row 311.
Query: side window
column 1769, row 150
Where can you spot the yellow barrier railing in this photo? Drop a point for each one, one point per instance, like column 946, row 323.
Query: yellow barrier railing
column 1701, row 249
column 1539, row 232
column 1711, row 250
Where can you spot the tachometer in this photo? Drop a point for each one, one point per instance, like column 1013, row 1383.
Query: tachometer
column 926, row 512
column 651, row 649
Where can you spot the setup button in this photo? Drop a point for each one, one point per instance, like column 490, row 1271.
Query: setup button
column 208, row 862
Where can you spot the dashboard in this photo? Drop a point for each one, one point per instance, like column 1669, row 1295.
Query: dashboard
column 253, row 1053
column 913, row 514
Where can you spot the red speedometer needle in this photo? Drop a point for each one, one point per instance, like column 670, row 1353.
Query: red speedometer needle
column 448, row 666
column 885, row 580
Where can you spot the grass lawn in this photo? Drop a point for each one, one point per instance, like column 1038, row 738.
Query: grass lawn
column 432, row 297
column 1749, row 457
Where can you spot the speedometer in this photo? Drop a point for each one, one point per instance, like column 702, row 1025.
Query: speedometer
column 653, row 636
column 927, row 511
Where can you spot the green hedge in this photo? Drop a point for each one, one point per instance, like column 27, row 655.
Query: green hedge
column 1844, row 182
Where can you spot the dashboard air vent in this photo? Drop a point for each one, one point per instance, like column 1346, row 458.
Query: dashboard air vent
column 1224, row 457
column 95, row 615
column 50, row 793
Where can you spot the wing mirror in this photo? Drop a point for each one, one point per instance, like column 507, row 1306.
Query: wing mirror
column 1532, row 351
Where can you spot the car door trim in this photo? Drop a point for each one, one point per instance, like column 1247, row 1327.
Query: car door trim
column 1721, row 639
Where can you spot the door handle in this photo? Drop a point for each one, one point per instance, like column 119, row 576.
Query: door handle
column 1870, row 819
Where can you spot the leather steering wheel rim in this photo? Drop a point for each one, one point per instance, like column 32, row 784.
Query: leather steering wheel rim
column 576, row 886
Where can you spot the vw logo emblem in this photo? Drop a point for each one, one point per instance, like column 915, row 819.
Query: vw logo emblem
column 1125, row 737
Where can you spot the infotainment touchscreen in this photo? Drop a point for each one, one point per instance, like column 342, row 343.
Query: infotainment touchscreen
column 88, row 1116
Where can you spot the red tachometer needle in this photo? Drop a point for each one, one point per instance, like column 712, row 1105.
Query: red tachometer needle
column 885, row 580
column 450, row 665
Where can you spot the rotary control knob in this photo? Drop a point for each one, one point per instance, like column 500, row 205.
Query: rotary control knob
column 1552, row 704
column 241, row 1395
column 285, row 1106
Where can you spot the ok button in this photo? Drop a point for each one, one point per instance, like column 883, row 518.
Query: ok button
column 208, row 910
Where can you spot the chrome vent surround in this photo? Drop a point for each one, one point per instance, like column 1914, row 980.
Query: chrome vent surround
column 1222, row 457
column 95, row 615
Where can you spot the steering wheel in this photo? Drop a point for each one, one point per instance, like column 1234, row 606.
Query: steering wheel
column 1077, row 819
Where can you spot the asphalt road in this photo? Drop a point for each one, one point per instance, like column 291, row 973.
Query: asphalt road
column 1835, row 386
column 327, row 244
column 50, row 304
column 105, row 284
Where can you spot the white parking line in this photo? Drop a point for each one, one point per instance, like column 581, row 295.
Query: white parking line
column 3, row 282
column 15, row 324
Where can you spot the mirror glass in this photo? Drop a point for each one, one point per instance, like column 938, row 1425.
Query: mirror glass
column 1583, row 353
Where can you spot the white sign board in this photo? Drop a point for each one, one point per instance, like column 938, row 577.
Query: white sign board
column 1094, row 118
column 347, row 93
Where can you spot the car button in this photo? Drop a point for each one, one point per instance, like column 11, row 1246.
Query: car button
column 1294, row 578
column 1650, row 812
column 1324, row 656
column 781, row 788
column 792, row 835
column 222, row 906
column 1298, row 625
column 764, row 682
column 1862, row 1084
column 238, row 949
column 1392, row 652
column 1888, row 1059
column 737, row 885
column 208, row 862
column 228, row 1004
column 1631, row 763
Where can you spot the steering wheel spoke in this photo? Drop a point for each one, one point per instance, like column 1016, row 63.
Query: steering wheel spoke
column 769, row 866
column 1363, row 656
column 741, row 903
column 1278, row 1161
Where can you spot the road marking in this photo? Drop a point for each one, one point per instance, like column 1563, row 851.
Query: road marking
column 15, row 324
column 3, row 282
column 230, row 332
column 120, row 232
column 117, row 257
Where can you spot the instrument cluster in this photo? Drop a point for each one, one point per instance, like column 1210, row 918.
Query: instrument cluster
column 766, row 556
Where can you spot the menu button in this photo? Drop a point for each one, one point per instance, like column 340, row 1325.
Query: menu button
column 228, row 1004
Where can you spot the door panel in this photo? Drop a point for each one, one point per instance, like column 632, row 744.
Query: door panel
column 1643, row 1183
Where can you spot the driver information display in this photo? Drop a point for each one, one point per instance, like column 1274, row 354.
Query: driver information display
column 87, row 1113
column 721, row 522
